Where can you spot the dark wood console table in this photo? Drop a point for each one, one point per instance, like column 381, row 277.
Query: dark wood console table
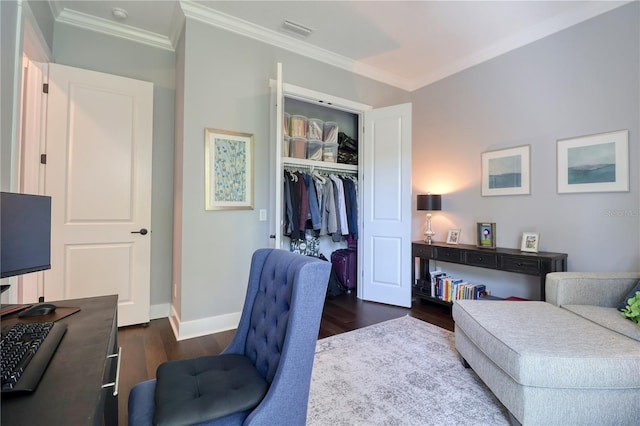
column 500, row 259
column 71, row 390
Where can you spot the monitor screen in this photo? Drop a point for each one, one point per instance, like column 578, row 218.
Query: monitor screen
column 25, row 233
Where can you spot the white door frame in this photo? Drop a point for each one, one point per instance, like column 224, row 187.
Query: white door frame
column 32, row 145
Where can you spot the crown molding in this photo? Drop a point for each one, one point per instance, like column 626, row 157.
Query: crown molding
column 92, row 23
column 196, row 11
column 239, row 26
column 177, row 24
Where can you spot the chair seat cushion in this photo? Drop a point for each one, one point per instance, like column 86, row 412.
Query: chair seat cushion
column 196, row 390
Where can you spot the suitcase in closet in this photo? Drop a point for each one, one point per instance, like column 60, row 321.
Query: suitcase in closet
column 345, row 264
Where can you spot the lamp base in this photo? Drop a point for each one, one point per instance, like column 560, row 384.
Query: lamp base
column 428, row 234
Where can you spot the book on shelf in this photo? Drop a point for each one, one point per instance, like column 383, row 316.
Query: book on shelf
column 448, row 289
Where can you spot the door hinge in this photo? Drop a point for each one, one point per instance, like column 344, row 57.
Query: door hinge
column 43, row 158
column 45, row 88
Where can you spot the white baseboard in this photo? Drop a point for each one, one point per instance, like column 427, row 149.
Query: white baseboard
column 183, row 330
column 161, row 310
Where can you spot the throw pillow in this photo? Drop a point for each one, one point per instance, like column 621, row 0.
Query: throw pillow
column 631, row 294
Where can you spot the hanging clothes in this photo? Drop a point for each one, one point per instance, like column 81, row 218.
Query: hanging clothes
column 351, row 196
column 325, row 204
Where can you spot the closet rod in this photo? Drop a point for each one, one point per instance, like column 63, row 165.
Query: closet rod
column 323, row 168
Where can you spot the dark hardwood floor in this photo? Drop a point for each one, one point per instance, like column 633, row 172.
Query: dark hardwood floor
column 144, row 348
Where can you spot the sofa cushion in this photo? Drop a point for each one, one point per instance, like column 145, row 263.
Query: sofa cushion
column 210, row 387
column 610, row 318
column 539, row 344
column 623, row 303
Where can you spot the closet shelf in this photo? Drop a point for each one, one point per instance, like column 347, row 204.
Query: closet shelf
column 318, row 165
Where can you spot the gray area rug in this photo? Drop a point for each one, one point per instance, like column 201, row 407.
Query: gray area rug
column 399, row 372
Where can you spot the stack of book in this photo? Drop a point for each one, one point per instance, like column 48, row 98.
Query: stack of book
column 448, row 288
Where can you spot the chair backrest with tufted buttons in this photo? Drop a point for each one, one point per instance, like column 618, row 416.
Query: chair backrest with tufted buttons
column 270, row 312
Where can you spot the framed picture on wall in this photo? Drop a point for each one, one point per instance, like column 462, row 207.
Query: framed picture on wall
column 506, row 172
column 594, row 163
column 228, row 170
column 486, row 235
column 530, row 242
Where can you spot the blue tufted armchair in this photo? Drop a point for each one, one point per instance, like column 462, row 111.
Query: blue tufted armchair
column 263, row 376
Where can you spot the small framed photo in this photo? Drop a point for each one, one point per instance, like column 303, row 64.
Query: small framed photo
column 486, row 234
column 530, row 242
column 228, row 170
column 506, row 171
column 453, row 236
column 595, row 163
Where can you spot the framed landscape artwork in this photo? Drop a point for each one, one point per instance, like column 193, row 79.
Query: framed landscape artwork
column 594, row 163
column 530, row 242
column 228, row 170
column 506, row 172
column 453, row 237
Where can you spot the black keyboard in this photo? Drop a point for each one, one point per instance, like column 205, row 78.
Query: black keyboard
column 25, row 352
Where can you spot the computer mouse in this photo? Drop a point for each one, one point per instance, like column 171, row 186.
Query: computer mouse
column 38, row 310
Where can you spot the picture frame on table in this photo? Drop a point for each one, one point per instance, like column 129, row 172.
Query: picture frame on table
column 594, row 163
column 486, row 235
column 506, row 171
column 453, row 237
column 228, row 170
column 530, row 241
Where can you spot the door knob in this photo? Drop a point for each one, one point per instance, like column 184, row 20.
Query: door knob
column 143, row 231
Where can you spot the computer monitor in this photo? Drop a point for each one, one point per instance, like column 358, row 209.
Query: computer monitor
column 25, row 233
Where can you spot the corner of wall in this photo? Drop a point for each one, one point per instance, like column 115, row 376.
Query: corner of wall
column 183, row 330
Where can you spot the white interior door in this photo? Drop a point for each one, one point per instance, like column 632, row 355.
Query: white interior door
column 385, row 245
column 98, row 173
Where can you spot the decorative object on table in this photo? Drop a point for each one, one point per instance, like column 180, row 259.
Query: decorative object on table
column 228, row 170
column 429, row 203
column 486, row 235
column 506, row 171
column 530, row 242
column 594, row 163
column 453, row 236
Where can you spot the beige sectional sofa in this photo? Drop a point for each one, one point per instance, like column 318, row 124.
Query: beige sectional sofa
column 570, row 360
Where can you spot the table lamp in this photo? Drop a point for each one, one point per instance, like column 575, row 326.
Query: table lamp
column 429, row 203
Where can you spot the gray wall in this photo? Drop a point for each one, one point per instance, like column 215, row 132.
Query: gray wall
column 44, row 18
column 226, row 86
column 11, row 50
column 94, row 51
column 580, row 81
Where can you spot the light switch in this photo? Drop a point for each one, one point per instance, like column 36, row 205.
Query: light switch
column 263, row 215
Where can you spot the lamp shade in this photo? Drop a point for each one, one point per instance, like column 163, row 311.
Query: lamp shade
column 430, row 202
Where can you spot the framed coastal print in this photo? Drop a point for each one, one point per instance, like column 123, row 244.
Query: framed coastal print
column 453, row 236
column 228, row 170
column 594, row 163
column 530, row 242
column 506, row 172
column 486, row 234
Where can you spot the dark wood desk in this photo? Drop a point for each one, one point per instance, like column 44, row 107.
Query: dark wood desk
column 500, row 259
column 70, row 391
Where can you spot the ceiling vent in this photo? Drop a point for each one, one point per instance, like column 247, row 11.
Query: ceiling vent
column 119, row 13
column 296, row 28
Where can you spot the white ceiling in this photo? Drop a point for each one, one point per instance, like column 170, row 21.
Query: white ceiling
column 408, row 44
